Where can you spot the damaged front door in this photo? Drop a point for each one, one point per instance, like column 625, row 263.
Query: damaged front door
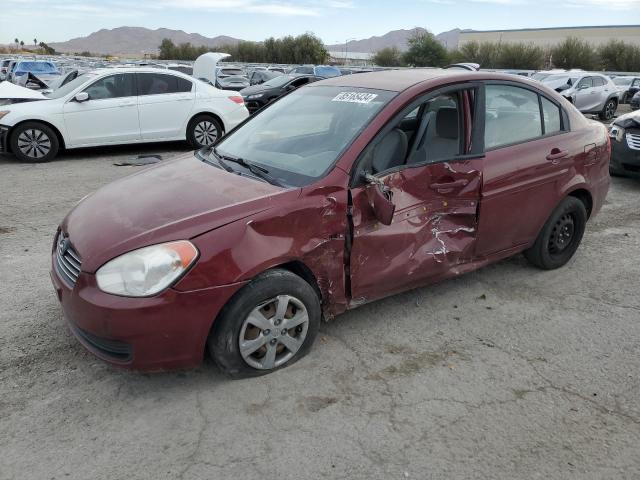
column 425, row 164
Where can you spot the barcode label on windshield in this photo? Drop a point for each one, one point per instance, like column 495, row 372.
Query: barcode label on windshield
column 354, row 97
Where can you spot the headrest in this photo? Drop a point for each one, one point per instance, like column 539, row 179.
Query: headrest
column 447, row 123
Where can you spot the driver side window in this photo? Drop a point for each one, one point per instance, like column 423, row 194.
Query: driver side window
column 431, row 132
column 113, row 86
column 586, row 82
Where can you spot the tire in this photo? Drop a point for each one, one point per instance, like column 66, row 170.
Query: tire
column 204, row 131
column 609, row 110
column 258, row 303
column 560, row 236
column 34, row 142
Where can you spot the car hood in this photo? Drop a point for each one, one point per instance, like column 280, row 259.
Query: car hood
column 176, row 200
column 11, row 93
column 628, row 120
column 253, row 89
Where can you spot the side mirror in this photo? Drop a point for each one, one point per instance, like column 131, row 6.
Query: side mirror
column 381, row 200
column 81, row 97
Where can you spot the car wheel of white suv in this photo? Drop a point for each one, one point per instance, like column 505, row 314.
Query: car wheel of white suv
column 203, row 131
column 34, row 142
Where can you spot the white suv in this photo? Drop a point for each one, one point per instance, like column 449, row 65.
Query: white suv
column 117, row 106
column 589, row 92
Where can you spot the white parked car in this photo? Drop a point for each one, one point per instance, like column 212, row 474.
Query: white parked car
column 116, row 106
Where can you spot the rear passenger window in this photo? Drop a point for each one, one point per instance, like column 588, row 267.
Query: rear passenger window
column 158, row 84
column 598, row 82
column 551, row 115
column 512, row 116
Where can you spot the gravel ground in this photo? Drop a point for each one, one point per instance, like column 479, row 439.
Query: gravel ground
column 505, row 373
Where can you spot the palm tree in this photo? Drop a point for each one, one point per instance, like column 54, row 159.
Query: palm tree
column 16, row 42
column 35, row 42
column 21, row 44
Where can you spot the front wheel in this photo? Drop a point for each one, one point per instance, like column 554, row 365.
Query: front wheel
column 560, row 237
column 203, row 131
column 34, row 142
column 269, row 324
column 609, row 110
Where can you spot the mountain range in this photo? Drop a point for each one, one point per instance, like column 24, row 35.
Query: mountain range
column 138, row 41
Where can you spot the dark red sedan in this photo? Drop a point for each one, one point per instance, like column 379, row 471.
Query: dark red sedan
column 340, row 193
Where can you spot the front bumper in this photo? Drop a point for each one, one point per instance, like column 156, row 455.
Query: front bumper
column 4, row 139
column 624, row 160
column 165, row 332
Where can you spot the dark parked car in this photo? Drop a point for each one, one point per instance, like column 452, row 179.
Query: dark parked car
column 343, row 192
column 257, row 96
column 258, row 77
column 634, row 103
column 625, row 141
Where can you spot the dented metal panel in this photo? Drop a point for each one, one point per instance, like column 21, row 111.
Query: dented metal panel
column 434, row 229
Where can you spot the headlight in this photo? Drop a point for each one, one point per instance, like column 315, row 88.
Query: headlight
column 146, row 271
column 4, row 113
column 616, row 133
column 255, row 96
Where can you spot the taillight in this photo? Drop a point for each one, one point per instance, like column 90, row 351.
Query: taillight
column 237, row 99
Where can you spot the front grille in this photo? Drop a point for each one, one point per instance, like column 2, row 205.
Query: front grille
column 113, row 349
column 68, row 261
column 633, row 140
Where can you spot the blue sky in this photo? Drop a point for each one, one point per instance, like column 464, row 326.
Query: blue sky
column 332, row 20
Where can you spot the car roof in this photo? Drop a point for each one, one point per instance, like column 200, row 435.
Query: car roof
column 400, row 80
column 114, row 70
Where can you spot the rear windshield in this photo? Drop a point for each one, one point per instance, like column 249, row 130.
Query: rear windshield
column 39, row 67
column 231, row 71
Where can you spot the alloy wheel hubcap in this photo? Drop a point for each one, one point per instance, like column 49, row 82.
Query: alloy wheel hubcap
column 562, row 234
column 34, row 143
column 273, row 332
column 610, row 110
column 206, row 133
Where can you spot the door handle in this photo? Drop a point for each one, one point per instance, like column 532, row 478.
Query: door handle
column 556, row 154
column 448, row 186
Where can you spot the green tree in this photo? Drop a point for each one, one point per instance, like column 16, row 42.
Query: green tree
column 425, row 50
column 47, row 49
column 618, row 56
column 388, row 57
column 520, row 55
column 574, row 53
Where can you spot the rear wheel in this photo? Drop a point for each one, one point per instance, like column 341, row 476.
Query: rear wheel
column 609, row 110
column 203, row 131
column 34, row 142
column 560, row 237
column 269, row 324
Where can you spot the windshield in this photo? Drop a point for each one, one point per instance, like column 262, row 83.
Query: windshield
column 561, row 79
column 327, row 72
column 539, row 76
column 38, row 67
column 231, row 71
column 299, row 138
column 623, row 81
column 71, row 86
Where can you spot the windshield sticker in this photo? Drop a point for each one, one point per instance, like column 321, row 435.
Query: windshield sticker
column 354, row 97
